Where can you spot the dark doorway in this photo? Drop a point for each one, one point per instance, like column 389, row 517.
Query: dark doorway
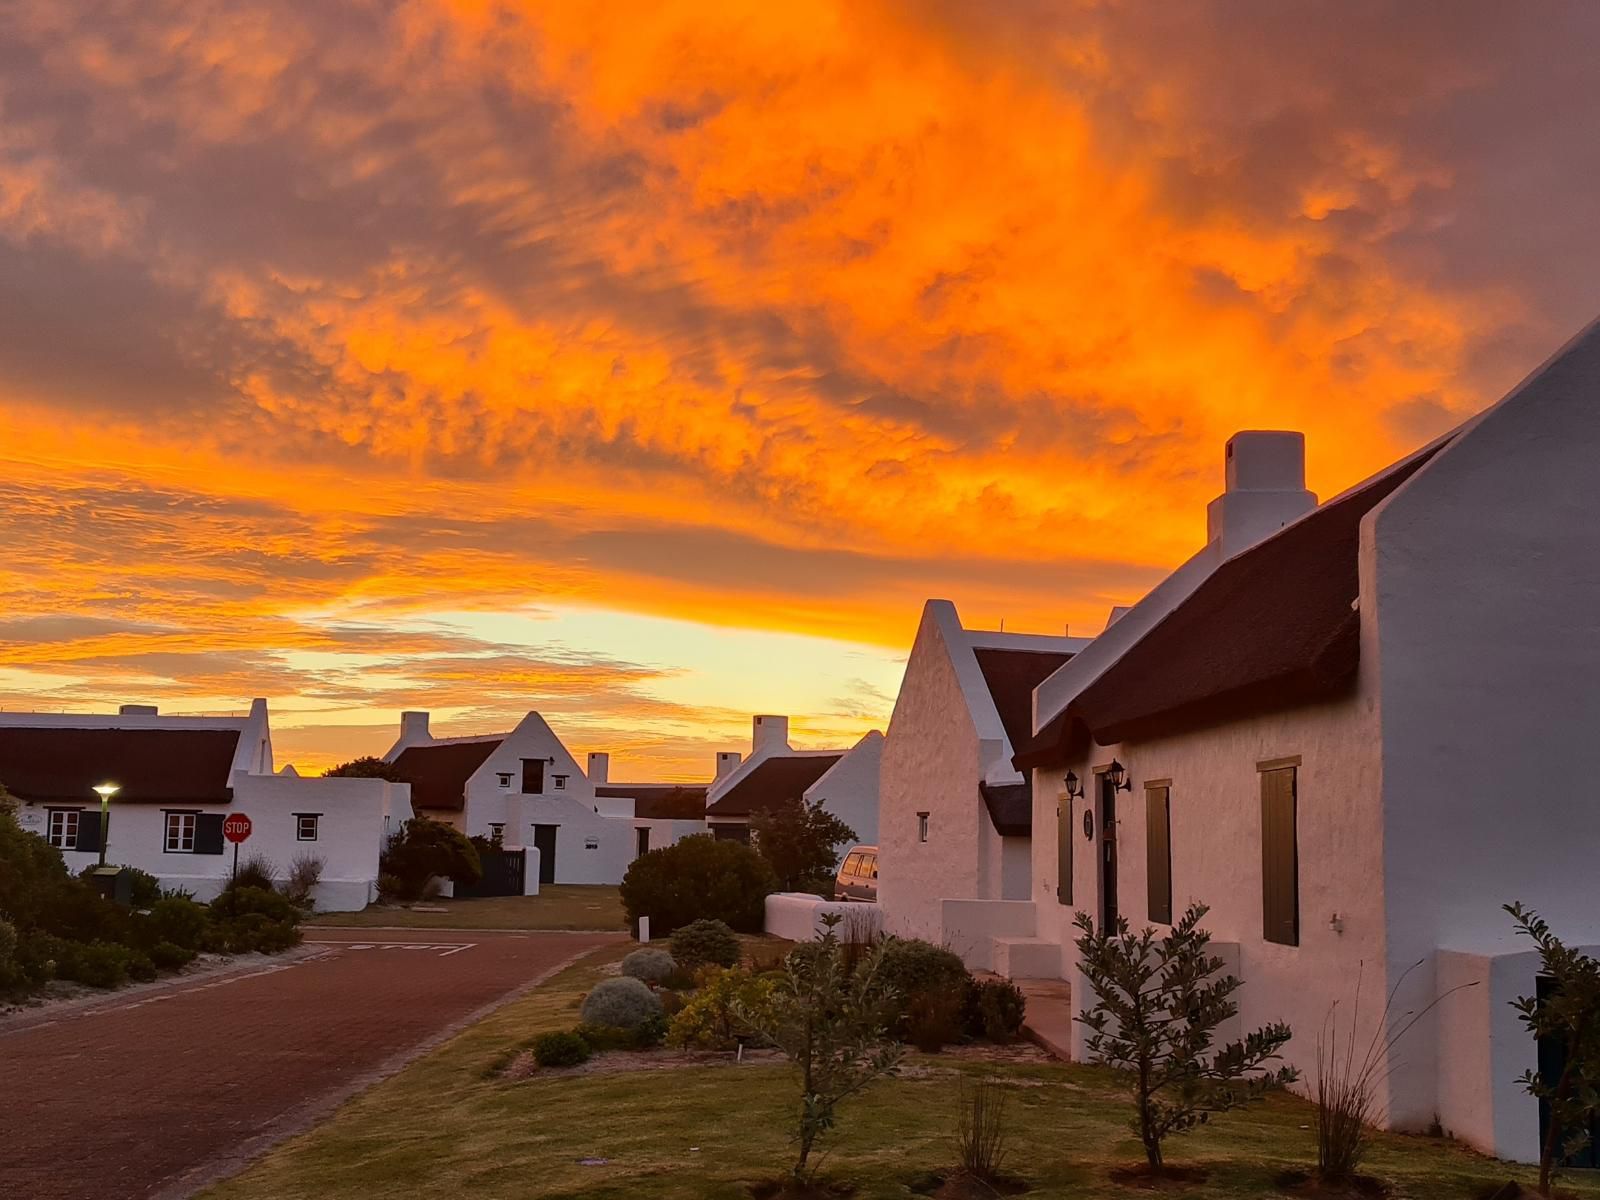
column 1108, row 853
column 533, row 777
column 643, row 834
column 544, row 840
column 731, row 833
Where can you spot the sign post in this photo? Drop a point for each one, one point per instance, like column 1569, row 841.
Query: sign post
column 236, row 828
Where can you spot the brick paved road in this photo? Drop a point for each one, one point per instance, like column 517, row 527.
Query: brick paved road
column 126, row 1099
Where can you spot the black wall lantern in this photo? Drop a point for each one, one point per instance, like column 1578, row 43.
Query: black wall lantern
column 1118, row 776
column 1074, row 786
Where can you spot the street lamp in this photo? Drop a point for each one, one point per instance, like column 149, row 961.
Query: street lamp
column 105, row 791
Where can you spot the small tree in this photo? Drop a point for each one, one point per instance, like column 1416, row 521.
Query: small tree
column 1157, row 1012
column 827, row 1020
column 1568, row 1013
column 425, row 848
column 696, row 878
column 366, row 767
column 797, row 839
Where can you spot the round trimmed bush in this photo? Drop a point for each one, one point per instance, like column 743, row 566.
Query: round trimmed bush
column 169, row 957
column 705, row 943
column 248, row 901
column 911, row 965
column 698, row 877
column 178, row 922
column 996, row 1009
column 621, row 1003
column 649, row 965
column 560, row 1049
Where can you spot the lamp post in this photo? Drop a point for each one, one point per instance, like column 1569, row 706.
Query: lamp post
column 105, row 791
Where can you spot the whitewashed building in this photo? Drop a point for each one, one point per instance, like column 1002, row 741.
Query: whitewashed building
column 844, row 781
column 1355, row 737
column 956, row 823
column 660, row 813
column 178, row 779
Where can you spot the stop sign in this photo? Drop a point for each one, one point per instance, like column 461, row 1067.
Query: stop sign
column 236, row 828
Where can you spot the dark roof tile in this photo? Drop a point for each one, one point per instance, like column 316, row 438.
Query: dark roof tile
column 772, row 782
column 152, row 766
column 1012, row 675
column 438, row 774
column 1010, row 807
column 660, row 801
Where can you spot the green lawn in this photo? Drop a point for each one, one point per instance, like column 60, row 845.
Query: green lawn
column 557, row 906
column 447, row 1126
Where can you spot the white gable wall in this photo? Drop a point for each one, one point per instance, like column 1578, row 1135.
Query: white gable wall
column 849, row 789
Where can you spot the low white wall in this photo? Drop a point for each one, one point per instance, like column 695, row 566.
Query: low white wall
column 797, row 916
column 968, row 927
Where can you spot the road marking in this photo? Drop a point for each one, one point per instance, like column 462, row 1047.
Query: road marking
column 445, row 949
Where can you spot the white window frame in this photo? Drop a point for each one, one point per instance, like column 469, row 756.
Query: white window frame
column 922, row 827
column 300, row 820
column 560, row 782
column 180, row 829
column 64, row 836
column 504, row 778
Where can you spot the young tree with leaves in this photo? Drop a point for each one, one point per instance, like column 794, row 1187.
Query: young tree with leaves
column 1568, row 1013
column 1159, row 1003
column 366, row 767
column 828, row 1021
column 798, row 839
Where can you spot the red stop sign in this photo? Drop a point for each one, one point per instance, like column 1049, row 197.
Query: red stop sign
column 236, row 828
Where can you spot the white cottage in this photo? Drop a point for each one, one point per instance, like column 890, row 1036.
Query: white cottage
column 1355, row 738
column 178, row 778
column 956, row 815
column 527, row 787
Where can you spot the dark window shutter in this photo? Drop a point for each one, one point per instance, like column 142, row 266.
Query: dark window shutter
column 1064, row 851
column 533, row 777
column 1158, row 852
column 208, row 833
column 1280, row 860
column 88, row 831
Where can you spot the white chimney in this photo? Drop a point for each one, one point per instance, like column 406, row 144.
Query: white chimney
column 138, row 710
column 1265, row 489
column 727, row 760
column 769, row 734
column 414, row 727
column 599, row 767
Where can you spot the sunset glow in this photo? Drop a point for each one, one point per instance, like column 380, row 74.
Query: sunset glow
column 650, row 365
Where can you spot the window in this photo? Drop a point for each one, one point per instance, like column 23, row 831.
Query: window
column 180, row 832
column 1064, row 849
column 533, row 777
column 852, row 865
column 63, row 827
column 505, row 778
column 305, row 826
column 561, row 783
column 922, row 827
column 1158, row 851
column 869, row 866
column 1280, row 857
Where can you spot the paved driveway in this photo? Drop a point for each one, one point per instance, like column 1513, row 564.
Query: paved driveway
column 147, row 1094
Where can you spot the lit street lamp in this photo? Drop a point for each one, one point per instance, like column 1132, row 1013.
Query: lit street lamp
column 105, row 791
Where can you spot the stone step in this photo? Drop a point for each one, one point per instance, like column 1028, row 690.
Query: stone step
column 1026, row 957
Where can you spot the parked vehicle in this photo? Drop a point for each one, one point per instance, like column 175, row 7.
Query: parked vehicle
column 858, row 875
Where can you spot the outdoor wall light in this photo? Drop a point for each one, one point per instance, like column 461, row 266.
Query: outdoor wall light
column 1118, row 775
column 105, row 791
column 1074, row 786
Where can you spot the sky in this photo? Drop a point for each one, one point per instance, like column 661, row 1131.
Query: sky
column 651, row 364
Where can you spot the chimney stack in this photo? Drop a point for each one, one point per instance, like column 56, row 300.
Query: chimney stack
column 138, row 710
column 727, row 760
column 1265, row 474
column 769, row 734
column 414, row 727
column 599, row 767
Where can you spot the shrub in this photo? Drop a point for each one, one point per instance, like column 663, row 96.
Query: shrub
column 169, row 956
column 797, row 839
column 241, row 901
column 930, row 987
column 710, row 1020
column 257, row 871
column 621, row 1002
column 911, row 965
column 828, row 1021
column 1566, row 1015
column 649, row 965
column 145, row 888
column 178, row 922
column 366, row 767
column 980, row 1131
column 99, row 964
column 705, row 943
column 560, row 1049
column 1157, row 1008
column 11, row 974
column 300, row 884
column 931, row 1017
column 389, row 888
column 698, row 877
column 424, row 849
column 996, row 1010
column 39, row 955
column 651, row 1032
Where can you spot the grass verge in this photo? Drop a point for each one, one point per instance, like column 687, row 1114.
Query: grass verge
column 557, row 906
column 449, row 1126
